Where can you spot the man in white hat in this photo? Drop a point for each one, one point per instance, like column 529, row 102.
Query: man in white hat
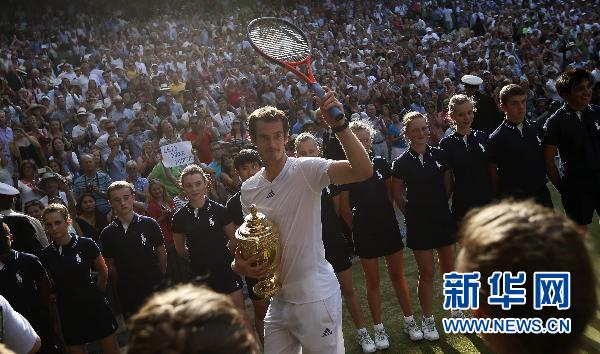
column 487, row 115
column 85, row 133
column 429, row 35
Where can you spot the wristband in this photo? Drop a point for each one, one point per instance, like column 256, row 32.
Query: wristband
column 341, row 127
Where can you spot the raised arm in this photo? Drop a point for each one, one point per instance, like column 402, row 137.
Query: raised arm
column 358, row 166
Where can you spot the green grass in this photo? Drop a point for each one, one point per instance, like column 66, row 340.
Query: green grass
column 453, row 343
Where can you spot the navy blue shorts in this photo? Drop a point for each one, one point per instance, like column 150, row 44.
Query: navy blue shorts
column 580, row 196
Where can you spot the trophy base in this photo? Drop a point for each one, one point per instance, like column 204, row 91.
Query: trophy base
column 267, row 288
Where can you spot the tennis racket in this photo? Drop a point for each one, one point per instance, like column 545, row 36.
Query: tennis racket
column 282, row 43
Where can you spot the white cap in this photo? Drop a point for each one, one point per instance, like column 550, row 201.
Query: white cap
column 471, row 80
column 428, row 29
column 8, row 190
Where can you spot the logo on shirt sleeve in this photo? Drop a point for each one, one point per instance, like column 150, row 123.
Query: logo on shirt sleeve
column 19, row 278
column 482, row 148
column 211, row 222
column 379, row 175
column 597, row 125
column 78, row 259
column 143, row 237
column 438, row 164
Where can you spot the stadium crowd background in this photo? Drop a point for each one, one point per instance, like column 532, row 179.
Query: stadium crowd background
column 93, row 89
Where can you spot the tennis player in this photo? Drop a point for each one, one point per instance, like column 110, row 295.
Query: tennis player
column 306, row 314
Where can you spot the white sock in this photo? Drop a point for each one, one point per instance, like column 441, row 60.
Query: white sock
column 362, row 331
column 427, row 318
column 409, row 318
column 378, row 327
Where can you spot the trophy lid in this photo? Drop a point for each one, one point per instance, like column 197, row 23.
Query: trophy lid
column 256, row 224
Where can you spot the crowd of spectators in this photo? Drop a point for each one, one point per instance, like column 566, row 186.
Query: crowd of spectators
column 93, row 97
column 89, row 97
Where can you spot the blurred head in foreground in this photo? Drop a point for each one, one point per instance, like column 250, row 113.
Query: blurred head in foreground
column 189, row 319
column 524, row 236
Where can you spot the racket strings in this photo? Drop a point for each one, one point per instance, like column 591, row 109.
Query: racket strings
column 280, row 42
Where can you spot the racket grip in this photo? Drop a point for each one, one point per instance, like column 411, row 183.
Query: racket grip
column 333, row 111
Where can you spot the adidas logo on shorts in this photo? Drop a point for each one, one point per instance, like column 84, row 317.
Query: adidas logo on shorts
column 326, row 332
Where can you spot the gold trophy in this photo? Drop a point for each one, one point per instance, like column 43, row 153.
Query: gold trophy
column 259, row 236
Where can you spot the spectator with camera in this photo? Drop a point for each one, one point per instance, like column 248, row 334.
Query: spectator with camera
column 92, row 181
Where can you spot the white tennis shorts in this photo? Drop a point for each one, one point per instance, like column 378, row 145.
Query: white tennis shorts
column 312, row 328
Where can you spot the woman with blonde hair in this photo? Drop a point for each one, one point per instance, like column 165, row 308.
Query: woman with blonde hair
column 468, row 159
column 367, row 209
column 69, row 260
column 421, row 185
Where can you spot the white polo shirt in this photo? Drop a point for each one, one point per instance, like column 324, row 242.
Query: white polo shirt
column 293, row 203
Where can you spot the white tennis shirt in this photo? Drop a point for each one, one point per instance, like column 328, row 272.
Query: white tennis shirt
column 293, row 202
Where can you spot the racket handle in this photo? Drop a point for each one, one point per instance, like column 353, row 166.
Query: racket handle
column 333, row 111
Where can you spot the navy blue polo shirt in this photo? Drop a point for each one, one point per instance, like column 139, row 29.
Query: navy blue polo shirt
column 577, row 139
column 18, row 282
column 69, row 266
column 234, row 207
column 369, row 200
column 519, row 158
column 329, row 218
column 133, row 251
column 424, row 180
column 205, row 238
column 468, row 158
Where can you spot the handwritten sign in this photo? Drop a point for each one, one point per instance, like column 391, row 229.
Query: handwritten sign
column 178, row 154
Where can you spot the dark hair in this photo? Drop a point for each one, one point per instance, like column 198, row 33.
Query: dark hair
column 246, row 156
column 188, row 319
column 80, row 199
column 163, row 107
column 509, row 91
column 27, row 162
column 33, row 202
column 267, row 114
column 524, row 236
column 571, row 78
